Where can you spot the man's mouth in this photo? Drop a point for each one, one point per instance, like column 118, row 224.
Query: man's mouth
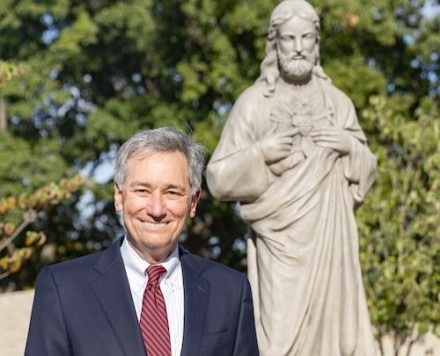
column 154, row 223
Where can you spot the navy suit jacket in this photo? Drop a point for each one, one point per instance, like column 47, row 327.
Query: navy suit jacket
column 84, row 307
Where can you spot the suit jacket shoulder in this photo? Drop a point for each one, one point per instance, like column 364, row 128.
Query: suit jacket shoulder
column 84, row 306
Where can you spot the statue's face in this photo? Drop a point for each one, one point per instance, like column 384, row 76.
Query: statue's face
column 297, row 48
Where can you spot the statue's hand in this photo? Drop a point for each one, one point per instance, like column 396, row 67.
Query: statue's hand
column 287, row 163
column 277, row 146
column 334, row 138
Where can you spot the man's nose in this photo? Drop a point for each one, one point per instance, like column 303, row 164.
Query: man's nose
column 156, row 205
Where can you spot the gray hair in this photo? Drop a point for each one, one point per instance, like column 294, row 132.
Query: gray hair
column 283, row 12
column 164, row 139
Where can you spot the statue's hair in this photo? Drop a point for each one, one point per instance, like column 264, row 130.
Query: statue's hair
column 283, row 12
column 164, row 139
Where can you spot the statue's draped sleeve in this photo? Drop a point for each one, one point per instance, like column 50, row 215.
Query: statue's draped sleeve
column 237, row 171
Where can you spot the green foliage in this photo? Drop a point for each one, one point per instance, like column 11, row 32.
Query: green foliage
column 23, row 169
column 77, row 77
column 10, row 71
column 399, row 223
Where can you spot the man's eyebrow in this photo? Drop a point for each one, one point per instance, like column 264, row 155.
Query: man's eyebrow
column 176, row 186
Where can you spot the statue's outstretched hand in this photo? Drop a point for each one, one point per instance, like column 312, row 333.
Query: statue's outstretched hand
column 334, row 138
column 277, row 145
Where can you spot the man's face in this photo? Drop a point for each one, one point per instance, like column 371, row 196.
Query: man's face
column 297, row 48
column 155, row 201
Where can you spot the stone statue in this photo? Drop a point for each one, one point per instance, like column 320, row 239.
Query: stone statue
column 293, row 154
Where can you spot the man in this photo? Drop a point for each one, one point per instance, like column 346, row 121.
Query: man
column 293, row 154
column 104, row 303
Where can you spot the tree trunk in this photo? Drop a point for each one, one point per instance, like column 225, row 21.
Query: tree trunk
column 3, row 117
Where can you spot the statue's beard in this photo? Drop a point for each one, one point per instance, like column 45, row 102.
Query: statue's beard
column 295, row 69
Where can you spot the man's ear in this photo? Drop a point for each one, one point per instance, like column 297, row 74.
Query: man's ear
column 118, row 198
column 194, row 200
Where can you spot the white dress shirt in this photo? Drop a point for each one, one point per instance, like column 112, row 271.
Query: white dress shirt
column 171, row 285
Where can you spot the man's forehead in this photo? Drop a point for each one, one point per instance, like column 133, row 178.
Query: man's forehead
column 144, row 153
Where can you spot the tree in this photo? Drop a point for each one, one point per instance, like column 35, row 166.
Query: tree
column 97, row 71
column 24, row 210
column 17, row 213
column 399, row 223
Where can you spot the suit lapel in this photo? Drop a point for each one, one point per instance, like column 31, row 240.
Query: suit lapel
column 196, row 303
column 113, row 293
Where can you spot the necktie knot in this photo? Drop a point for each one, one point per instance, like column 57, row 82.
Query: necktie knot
column 154, row 273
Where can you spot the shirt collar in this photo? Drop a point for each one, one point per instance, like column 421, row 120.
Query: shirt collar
column 137, row 266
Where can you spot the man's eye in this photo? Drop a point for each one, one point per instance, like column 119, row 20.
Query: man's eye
column 140, row 191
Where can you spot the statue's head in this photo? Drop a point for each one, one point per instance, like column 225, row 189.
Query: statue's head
column 292, row 49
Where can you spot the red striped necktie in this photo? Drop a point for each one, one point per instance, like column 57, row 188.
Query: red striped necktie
column 154, row 320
